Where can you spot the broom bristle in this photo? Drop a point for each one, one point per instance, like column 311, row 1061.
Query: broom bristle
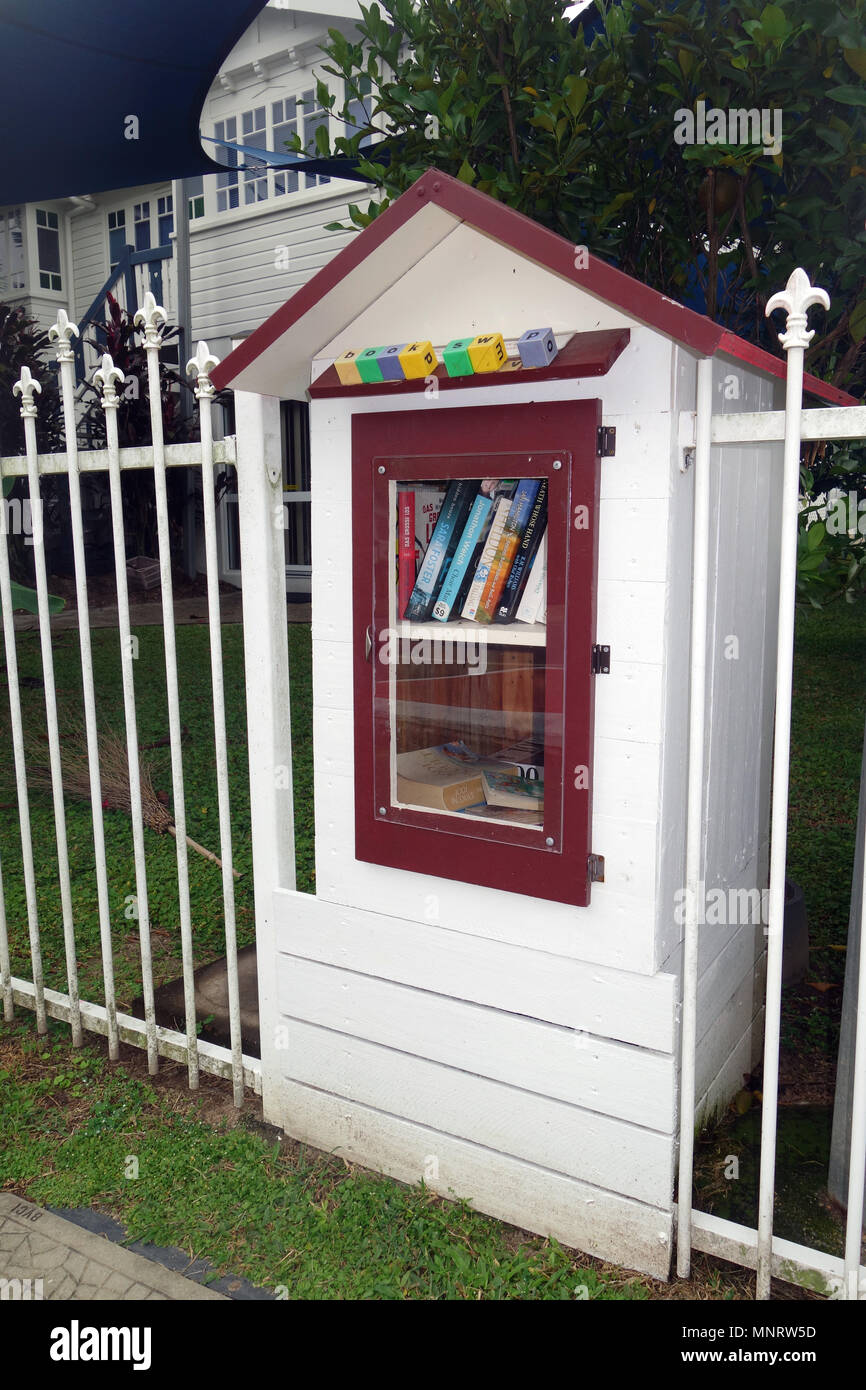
column 113, row 775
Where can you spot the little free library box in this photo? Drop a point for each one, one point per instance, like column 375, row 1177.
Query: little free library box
column 484, row 990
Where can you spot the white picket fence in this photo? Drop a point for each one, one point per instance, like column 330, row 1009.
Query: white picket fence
column 104, row 1018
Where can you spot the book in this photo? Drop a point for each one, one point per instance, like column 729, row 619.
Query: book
column 428, row 504
column 506, row 789
column 485, row 560
column 475, row 524
column 532, row 606
column 432, row 777
column 508, row 814
column 519, row 573
column 525, row 758
column 406, row 549
column 512, row 534
column 434, row 564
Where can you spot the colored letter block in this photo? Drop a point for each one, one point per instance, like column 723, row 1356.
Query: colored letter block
column 347, row 368
column 487, row 352
column 389, row 362
column 418, row 359
column 537, row 347
column 456, row 357
column 368, row 364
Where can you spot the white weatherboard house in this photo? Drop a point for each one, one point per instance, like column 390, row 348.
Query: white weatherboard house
column 484, row 1000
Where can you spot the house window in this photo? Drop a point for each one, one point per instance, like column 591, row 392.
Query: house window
column 165, row 219
column 228, row 195
column 284, row 115
column 141, row 220
column 116, row 236
column 254, row 132
column 314, row 116
column 12, row 275
column 48, row 249
column 361, row 111
column 195, row 191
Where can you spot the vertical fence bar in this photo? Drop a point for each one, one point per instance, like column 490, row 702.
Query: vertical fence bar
column 62, row 333
column 5, row 963
column 25, row 387
column 104, row 378
column 857, row 1147
column 694, row 811
column 150, row 318
column 201, row 366
column 797, row 297
column 21, row 772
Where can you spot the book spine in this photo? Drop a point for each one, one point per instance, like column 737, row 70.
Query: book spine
column 517, row 578
column 407, row 552
column 476, row 588
column 509, row 542
column 475, row 523
column 421, row 599
column 528, row 610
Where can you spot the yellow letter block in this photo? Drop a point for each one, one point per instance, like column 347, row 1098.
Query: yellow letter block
column 347, row 369
column 418, row 359
column 487, row 352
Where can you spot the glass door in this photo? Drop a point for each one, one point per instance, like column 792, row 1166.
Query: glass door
column 476, row 586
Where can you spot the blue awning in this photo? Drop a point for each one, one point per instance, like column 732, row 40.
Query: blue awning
column 98, row 95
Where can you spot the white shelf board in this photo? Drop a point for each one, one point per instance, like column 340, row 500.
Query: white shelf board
column 494, row 634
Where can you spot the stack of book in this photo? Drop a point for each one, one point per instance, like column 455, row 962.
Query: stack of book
column 507, row 785
column 485, row 559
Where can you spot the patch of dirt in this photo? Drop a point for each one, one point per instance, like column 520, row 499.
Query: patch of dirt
column 102, row 590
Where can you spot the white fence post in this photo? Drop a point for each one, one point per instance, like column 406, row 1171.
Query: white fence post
column 266, row 663
column 797, row 298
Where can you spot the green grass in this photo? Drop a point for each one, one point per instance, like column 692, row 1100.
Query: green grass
column 69, row 1123
column 201, row 803
column 829, row 710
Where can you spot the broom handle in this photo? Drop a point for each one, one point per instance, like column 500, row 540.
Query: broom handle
column 200, row 849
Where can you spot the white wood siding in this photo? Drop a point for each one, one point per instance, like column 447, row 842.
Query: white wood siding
column 237, row 277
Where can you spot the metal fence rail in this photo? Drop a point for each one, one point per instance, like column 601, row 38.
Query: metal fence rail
column 113, row 460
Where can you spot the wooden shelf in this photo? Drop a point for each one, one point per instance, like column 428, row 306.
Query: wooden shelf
column 584, row 355
column 493, row 634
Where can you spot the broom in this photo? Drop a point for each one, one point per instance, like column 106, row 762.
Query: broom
column 114, row 777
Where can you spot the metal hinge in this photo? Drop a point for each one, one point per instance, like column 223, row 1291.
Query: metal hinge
column 601, row 661
column 605, row 445
column 595, row 868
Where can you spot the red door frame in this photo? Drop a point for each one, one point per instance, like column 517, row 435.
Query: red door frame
column 513, row 858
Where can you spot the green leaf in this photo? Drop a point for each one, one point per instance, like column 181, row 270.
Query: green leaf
column 848, row 96
column 774, row 22
column 575, row 89
column 322, row 143
column 856, row 59
column 816, row 535
column 857, row 322
column 466, row 173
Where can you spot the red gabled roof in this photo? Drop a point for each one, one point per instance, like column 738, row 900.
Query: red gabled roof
column 529, row 239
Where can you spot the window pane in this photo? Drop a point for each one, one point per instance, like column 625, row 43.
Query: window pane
column 48, row 244
column 466, row 695
column 314, row 117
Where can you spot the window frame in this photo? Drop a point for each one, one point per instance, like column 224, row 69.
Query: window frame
column 496, row 855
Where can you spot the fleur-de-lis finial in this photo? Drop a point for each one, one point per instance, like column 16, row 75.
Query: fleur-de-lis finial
column 62, row 333
column 104, row 377
column 150, row 317
column 201, row 367
column 24, row 387
column 796, row 299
